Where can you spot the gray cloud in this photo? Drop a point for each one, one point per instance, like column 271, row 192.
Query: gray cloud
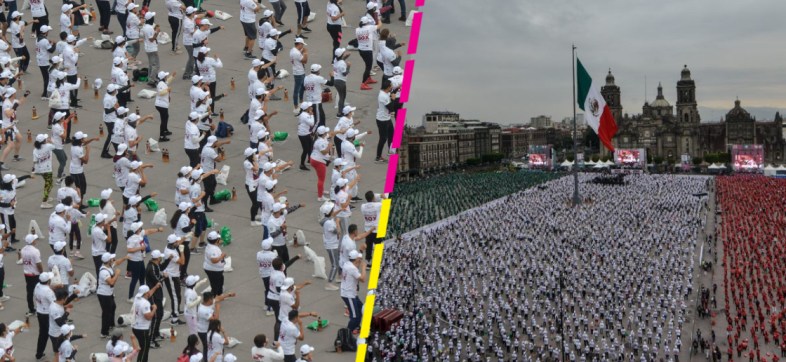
column 509, row 60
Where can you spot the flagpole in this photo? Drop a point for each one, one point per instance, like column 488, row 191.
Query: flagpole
column 576, row 198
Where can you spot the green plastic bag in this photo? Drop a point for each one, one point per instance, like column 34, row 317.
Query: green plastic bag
column 226, row 235
column 210, row 223
column 92, row 224
column 313, row 325
column 152, row 205
column 94, row 202
column 280, row 136
column 356, row 143
column 223, row 195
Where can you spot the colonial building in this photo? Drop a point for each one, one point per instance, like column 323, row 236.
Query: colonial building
column 671, row 131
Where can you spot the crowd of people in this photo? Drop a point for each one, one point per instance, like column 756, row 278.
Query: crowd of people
column 159, row 259
column 528, row 277
column 414, row 204
column 753, row 234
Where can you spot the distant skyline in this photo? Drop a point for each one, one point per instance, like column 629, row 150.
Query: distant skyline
column 508, row 63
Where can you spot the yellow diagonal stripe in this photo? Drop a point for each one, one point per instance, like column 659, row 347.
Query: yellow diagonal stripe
column 376, row 265
column 361, row 356
column 368, row 312
column 382, row 225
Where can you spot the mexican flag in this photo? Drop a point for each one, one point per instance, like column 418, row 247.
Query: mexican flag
column 596, row 113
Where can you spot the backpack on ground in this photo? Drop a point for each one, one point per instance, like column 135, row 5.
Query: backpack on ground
column 224, row 130
column 345, row 340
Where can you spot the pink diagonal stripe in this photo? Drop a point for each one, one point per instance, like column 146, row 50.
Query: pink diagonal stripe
column 401, row 118
column 408, row 68
column 420, row 2
column 414, row 35
column 390, row 178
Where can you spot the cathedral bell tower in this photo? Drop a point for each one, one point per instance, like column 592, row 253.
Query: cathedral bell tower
column 687, row 109
column 611, row 93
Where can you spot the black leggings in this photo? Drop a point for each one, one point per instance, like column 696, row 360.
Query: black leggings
column 42, row 20
column 173, row 287
column 174, row 23
column 337, row 141
column 212, row 87
column 254, row 203
column 193, row 156
column 210, row 189
column 368, row 60
column 10, row 221
column 306, row 143
column 143, row 338
column 335, row 33
column 80, row 182
column 110, row 127
column 164, row 113
column 43, row 333
column 216, row 279
column 75, row 234
column 385, row 129
column 108, row 307
column 319, row 114
column 24, row 62
column 45, row 76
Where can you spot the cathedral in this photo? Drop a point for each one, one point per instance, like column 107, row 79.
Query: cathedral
column 672, row 131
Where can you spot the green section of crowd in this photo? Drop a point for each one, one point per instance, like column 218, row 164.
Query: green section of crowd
column 422, row 202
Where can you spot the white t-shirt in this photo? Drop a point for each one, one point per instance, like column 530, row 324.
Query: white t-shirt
column 121, row 169
column 212, row 252
column 173, row 9
column 42, row 54
column 344, row 123
column 7, row 343
column 14, row 29
column 216, row 345
column 349, row 280
column 268, row 46
column 288, row 337
column 133, row 181
column 297, row 61
column 31, row 256
column 370, row 213
column 37, row 8
column 250, row 177
column 365, row 37
column 63, row 266
column 207, row 68
column 191, row 139
column 109, row 101
column 204, row 313
column 247, row 14
column 208, row 158
column 56, row 311
column 135, row 241
column 383, row 99
column 104, row 288
column 347, row 245
column 42, row 158
column 172, row 269
column 77, row 166
column 286, row 301
column 151, row 45
column 57, row 133
column 341, row 198
column 99, row 241
column 305, row 124
column 340, row 70
column 320, row 145
column 188, row 30
column 162, row 100
column 59, row 228
column 141, row 307
column 333, row 10
column 313, row 88
column 189, row 296
column 386, row 56
column 330, row 234
column 265, row 263
column 43, row 296
column 132, row 26
column 276, row 281
column 66, row 350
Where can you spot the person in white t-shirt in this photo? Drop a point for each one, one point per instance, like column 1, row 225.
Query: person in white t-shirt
column 348, row 244
column 107, row 278
column 80, row 156
column 217, row 339
column 144, row 312
column 163, row 97
column 313, row 84
column 340, row 72
column 384, row 122
column 291, row 332
column 305, row 132
column 43, row 50
column 330, row 239
column 150, row 32
column 353, row 271
column 366, row 34
column 191, row 300
column 42, row 165
column 335, row 17
column 289, row 300
column 174, row 259
column 370, row 211
column 299, row 57
column 306, row 353
column 207, row 311
column 64, row 267
column 214, row 262
column 248, row 11
column 260, row 352
column 320, row 156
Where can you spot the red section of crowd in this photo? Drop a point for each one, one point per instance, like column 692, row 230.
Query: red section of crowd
column 753, row 232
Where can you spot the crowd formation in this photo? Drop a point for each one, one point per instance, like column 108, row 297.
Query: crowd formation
column 530, row 278
column 414, row 206
column 752, row 231
column 158, row 260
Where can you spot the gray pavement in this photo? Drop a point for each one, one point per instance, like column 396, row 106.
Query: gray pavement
column 243, row 316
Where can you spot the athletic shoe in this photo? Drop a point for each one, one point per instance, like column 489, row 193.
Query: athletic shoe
column 248, row 56
column 306, row 29
column 4, row 298
column 331, row 286
column 256, row 223
column 29, row 314
column 364, row 86
column 403, row 18
column 322, row 199
column 78, row 255
column 304, row 168
column 380, row 160
column 104, row 336
column 269, row 313
column 130, row 300
column 128, row 275
column 370, row 80
column 372, row 73
column 176, row 322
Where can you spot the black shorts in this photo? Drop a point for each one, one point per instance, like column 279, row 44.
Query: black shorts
column 250, row 30
column 10, row 135
column 303, row 11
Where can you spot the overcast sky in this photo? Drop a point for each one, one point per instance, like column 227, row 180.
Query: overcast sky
column 509, row 60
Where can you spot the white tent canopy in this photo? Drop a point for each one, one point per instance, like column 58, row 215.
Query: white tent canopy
column 781, row 168
column 566, row 163
column 590, row 163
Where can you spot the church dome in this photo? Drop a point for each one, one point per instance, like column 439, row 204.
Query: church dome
column 660, row 101
column 610, row 78
column 738, row 113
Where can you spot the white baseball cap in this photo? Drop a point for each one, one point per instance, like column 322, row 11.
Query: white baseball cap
column 66, row 7
column 60, row 208
column 56, row 59
column 162, row 75
column 270, row 184
column 100, row 218
column 111, row 87
column 185, row 170
column 211, row 140
column 192, row 279
column 339, row 52
column 269, row 166
column 190, row 10
column 267, row 13
column 326, row 208
column 273, row 32
column 133, row 200
column 339, row 162
column 185, row 206
column 260, row 91
column 249, row 151
column 121, row 149
column 342, row 182
column 278, row 207
column 230, row 358
column 256, row 62
column 315, row 67
column 156, row 254
column 121, row 348
column 131, row 6
column 205, row 22
column 106, row 257
column 288, row 283
column 80, row 135
column 397, row 70
column 135, row 165
column 305, row 105
column 304, row 349
column 133, row 117
column 213, row 235
column 171, row 239
column 59, row 245
column 322, row 130
column 195, row 174
column 41, row 137
column 106, row 193
column 267, row 244
column 66, row 328
column 149, row 15
column 195, row 79
column 44, row 28
column 204, row 50
column 136, row 226
column 70, row 38
column 347, row 109
column 30, row 238
column 58, row 116
column 45, row 277
column 351, row 133
column 300, row 40
column 119, row 39
column 354, row 254
column 122, row 110
column 142, row 290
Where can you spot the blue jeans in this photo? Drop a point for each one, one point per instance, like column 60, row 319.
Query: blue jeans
column 297, row 94
column 403, row 5
column 355, row 313
column 11, row 6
